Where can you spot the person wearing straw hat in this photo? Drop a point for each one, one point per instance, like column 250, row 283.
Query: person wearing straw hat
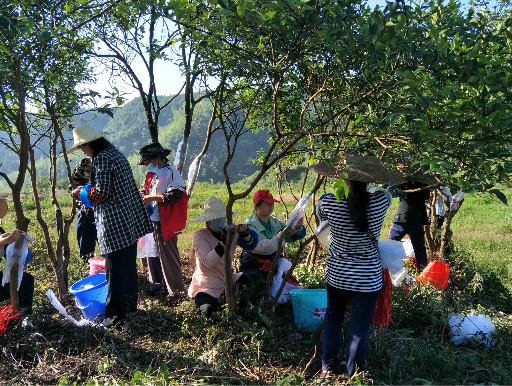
column 208, row 245
column 411, row 214
column 256, row 262
column 353, row 269
column 26, row 290
column 164, row 190
column 120, row 215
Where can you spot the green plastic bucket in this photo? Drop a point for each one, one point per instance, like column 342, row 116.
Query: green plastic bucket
column 309, row 306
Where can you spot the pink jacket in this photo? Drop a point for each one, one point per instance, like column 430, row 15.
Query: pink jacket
column 209, row 272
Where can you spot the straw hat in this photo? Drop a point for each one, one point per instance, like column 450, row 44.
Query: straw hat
column 359, row 168
column 83, row 134
column 3, row 208
column 415, row 173
column 213, row 208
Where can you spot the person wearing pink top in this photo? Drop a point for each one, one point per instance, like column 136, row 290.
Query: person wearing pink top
column 208, row 246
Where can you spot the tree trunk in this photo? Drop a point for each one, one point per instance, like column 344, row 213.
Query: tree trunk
column 228, row 264
column 446, row 235
column 313, row 252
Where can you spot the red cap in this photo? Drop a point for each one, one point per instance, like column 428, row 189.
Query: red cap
column 264, row 195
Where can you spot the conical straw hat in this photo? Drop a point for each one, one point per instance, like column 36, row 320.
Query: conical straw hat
column 358, row 168
column 415, row 173
column 213, row 208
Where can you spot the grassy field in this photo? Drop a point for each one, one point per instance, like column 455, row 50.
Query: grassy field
column 172, row 344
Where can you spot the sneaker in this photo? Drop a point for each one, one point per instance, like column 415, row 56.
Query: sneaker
column 327, row 374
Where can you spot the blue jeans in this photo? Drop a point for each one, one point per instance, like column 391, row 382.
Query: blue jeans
column 417, row 235
column 363, row 309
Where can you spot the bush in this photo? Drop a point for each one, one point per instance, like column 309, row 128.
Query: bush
column 309, row 277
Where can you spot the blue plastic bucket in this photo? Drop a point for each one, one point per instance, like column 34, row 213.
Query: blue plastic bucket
column 91, row 295
column 309, row 306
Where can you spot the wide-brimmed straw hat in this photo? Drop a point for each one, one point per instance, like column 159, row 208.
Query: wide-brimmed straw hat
column 213, row 208
column 415, row 173
column 83, row 134
column 358, row 168
column 152, row 151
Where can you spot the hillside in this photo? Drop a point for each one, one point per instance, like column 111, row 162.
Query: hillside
column 128, row 131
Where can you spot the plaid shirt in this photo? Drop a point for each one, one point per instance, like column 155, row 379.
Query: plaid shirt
column 122, row 218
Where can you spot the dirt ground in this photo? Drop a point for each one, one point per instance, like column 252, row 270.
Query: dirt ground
column 58, row 193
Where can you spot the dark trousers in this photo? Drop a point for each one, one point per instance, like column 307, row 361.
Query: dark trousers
column 363, row 309
column 25, row 293
column 86, row 232
column 417, row 235
column 121, row 268
column 208, row 304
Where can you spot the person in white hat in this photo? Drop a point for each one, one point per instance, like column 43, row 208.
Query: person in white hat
column 208, row 246
column 120, row 215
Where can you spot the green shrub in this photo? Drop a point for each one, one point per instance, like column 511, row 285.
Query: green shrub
column 309, row 277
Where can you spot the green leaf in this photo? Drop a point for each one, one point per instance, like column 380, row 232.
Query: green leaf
column 68, row 8
column 3, row 49
column 408, row 75
column 270, row 15
column 46, row 35
column 311, row 160
column 457, row 175
column 499, row 195
column 240, row 9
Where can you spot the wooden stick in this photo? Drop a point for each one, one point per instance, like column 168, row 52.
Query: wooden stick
column 290, row 271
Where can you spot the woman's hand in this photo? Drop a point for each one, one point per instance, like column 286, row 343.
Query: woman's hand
column 76, row 193
column 9, row 237
column 242, row 229
column 299, row 223
column 148, row 200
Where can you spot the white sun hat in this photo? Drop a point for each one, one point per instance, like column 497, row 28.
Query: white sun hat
column 83, row 134
column 213, row 208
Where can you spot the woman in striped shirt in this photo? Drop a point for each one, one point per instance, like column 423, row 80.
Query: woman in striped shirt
column 353, row 267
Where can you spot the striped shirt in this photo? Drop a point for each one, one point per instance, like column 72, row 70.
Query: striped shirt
column 353, row 263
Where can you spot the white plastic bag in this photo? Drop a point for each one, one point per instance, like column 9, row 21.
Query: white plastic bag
column 193, row 172
column 181, row 154
column 478, row 327
column 283, row 266
column 12, row 256
column 392, row 256
column 439, row 201
column 299, row 211
column 456, row 200
column 323, row 234
column 146, row 247
column 59, row 307
column 408, row 249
